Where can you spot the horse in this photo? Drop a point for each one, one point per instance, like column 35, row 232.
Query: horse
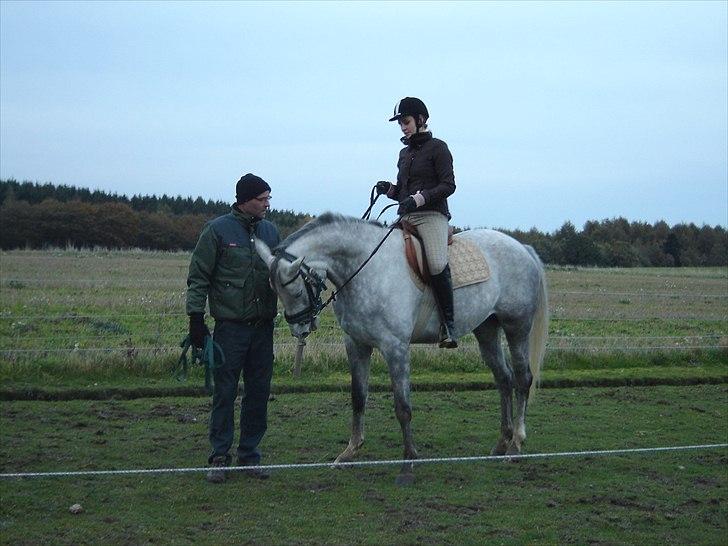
column 380, row 307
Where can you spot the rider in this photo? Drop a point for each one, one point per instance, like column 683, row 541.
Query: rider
column 424, row 182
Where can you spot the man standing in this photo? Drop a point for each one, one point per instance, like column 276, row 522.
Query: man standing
column 226, row 271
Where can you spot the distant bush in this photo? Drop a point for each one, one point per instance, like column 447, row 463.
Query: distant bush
column 43, row 215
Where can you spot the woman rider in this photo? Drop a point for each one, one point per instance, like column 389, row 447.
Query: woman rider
column 424, row 182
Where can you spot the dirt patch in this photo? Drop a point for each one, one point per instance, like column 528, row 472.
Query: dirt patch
column 454, row 508
column 39, row 393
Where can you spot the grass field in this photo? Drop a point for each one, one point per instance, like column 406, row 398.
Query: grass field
column 107, row 318
column 672, row 498
column 90, row 329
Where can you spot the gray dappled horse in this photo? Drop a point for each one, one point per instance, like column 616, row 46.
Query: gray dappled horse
column 380, row 308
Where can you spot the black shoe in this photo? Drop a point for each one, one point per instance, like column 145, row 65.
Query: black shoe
column 447, row 339
column 217, row 473
column 257, row 473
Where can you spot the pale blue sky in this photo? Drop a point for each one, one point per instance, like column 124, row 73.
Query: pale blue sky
column 553, row 111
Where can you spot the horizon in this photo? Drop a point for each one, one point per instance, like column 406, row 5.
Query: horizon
column 304, row 213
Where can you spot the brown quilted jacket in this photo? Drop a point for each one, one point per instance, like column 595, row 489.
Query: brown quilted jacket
column 425, row 165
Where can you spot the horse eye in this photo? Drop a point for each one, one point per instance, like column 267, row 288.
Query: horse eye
column 298, row 294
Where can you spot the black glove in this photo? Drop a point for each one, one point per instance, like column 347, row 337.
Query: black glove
column 198, row 330
column 383, row 187
column 406, row 206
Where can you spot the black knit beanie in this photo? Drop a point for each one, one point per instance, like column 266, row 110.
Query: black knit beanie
column 250, row 186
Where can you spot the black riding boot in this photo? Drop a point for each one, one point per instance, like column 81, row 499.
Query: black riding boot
column 442, row 290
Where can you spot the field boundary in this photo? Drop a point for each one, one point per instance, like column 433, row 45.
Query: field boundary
column 133, row 393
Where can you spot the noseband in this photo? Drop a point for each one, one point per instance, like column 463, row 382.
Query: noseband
column 314, row 284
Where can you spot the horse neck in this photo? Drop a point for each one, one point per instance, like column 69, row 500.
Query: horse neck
column 342, row 248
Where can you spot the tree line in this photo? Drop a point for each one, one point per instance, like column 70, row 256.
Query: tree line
column 36, row 215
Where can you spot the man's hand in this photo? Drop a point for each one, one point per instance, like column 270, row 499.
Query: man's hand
column 383, row 187
column 407, row 206
column 198, row 330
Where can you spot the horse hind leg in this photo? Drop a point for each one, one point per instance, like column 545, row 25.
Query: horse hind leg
column 519, row 348
column 359, row 363
column 397, row 356
column 491, row 350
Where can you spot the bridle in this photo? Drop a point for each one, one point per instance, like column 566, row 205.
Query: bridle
column 314, row 285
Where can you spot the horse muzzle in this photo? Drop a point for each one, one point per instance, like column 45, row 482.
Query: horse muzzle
column 302, row 329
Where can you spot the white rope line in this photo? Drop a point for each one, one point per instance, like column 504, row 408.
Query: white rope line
column 639, row 294
column 639, row 337
column 339, row 345
column 554, row 316
column 638, row 319
column 71, row 316
column 299, row 466
column 172, row 335
column 127, row 283
column 101, row 282
column 636, row 348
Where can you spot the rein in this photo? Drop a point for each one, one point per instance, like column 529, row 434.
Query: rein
column 332, row 297
column 372, row 200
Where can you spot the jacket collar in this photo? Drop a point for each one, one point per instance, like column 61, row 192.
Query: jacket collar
column 418, row 139
column 248, row 220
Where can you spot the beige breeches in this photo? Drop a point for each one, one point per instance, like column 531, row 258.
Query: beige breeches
column 432, row 227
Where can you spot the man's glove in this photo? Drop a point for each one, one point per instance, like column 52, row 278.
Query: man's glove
column 383, row 187
column 198, row 330
column 407, row 206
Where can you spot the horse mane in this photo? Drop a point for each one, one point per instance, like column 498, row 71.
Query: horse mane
column 326, row 219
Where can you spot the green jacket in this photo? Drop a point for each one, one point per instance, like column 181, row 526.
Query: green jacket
column 226, row 270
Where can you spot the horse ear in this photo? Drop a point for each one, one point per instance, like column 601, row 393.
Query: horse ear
column 287, row 271
column 264, row 252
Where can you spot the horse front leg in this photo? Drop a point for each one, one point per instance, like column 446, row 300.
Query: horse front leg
column 397, row 357
column 359, row 363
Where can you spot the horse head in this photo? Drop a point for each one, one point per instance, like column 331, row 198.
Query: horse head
column 299, row 287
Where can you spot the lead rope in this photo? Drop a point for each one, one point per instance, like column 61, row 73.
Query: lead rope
column 204, row 356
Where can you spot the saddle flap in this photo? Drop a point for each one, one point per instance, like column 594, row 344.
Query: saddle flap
column 414, row 251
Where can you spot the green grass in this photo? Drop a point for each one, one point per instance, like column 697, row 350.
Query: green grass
column 107, row 319
column 659, row 498
column 100, row 327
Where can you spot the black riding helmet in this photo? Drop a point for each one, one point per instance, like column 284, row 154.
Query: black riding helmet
column 410, row 106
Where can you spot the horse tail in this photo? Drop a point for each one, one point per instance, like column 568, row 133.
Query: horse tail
column 540, row 327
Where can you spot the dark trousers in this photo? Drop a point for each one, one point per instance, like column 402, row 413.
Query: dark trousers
column 248, row 351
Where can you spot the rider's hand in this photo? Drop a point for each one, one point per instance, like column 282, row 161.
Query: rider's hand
column 198, row 330
column 383, row 187
column 407, row 206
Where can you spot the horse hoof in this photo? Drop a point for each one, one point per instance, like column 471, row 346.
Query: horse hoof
column 498, row 450
column 513, row 450
column 404, row 480
column 344, row 458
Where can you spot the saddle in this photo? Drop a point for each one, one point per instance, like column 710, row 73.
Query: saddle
column 467, row 262
column 414, row 250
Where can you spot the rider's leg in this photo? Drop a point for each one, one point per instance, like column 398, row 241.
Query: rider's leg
column 433, row 230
